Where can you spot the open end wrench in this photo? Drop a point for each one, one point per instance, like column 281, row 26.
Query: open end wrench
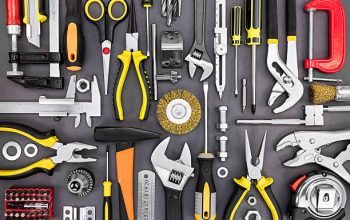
column 198, row 56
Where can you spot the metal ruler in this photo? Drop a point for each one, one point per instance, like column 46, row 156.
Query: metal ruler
column 54, row 35
column 146, row 195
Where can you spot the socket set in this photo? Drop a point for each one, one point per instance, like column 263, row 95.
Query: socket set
column 33, row 203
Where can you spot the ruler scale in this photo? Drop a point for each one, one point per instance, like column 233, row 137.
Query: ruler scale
column 146, row 195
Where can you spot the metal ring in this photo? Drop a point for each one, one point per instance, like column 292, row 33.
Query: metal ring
column 81, row 82
column 30, row 146
column 251, row 200
column 222, row 172
column 16, row 146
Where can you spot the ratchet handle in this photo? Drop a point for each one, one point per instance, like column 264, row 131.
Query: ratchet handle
column 13, row 12
column 173, row 204
column 291, row 19
column 200, row 13
column 272, row 26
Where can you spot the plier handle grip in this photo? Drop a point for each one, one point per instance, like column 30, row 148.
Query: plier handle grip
column 64, row 152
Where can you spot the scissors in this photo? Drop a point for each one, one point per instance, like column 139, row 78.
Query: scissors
column 106, row 20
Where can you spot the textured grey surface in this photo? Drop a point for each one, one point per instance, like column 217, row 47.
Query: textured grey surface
column 236, row 162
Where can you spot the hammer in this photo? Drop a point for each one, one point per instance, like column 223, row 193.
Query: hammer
column 125, row 139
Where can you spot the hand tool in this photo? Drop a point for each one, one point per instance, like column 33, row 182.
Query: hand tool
column 313, row 117
column 198, row 56
column 317, row 195
column 205, row 194
column 132, row 53
column 30, row 150
column 107, row 192
column 15, row 145
column 147, row 4
column 154, row 62
column 222, row 126
column 174, row 175
column 125, row 139
column 172, row 10
column 13, row 23
column 179, row 112
column 83, row 85
column 34, row 15
column 63, row 107
column 64, row 152
column 278, row 69
column 262, row 184
column 292, row 57
column 220, row 46
column 337, row 37
column 73, row 38
column 106, row 22
column 29, row 203
column 222, row 172
column 244, row 95
column 173, row 77
column 146, row 195
column 253, row 28
column 79, row 213
column 322, row 93
column 172, row 46
column 222, row 153
column 310, row 144
column 236, row 37
column 253, row 213
column 80, row 182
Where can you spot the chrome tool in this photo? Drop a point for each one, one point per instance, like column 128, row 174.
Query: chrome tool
column 146, row 195
column 236, row 35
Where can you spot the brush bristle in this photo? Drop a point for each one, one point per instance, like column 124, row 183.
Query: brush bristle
column 184, row 128
column 322, row 93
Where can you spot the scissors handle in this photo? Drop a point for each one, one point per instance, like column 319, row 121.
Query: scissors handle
column 91, row 3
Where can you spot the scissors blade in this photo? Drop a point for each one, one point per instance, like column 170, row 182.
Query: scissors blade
column 106, row 56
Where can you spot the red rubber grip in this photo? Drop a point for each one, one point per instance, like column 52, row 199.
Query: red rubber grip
column 337, row 36
column 13, row 12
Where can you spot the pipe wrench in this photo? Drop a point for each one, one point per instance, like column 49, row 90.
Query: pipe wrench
column 220, row 46
column 279, row 70
column 337, row 37
column 174, row 175
column 311, row 144
column 198, row 55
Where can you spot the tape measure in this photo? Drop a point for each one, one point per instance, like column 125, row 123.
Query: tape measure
column 146, row 195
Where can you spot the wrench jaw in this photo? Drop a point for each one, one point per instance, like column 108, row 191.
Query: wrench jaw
column 198, row 57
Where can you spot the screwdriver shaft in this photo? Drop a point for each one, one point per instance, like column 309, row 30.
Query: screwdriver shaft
column 147, row 26
column 253, row 78
column 236, row 70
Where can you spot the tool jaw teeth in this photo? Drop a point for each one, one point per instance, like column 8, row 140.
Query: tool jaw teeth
column 288, row 141
column 302, row 157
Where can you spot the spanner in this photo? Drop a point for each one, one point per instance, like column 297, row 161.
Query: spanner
column 198, row 56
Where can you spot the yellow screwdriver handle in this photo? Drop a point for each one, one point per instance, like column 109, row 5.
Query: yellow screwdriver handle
column 107, row 202
column 253, row 21
column 236, row 25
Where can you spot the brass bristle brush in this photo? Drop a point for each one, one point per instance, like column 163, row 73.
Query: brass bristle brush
column 322, row 93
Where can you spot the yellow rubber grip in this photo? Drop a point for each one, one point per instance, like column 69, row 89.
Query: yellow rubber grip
column 262, row 184
column 125, row 58
column 291, row 38
column 44, row 164
column 106, row 211
column 40, row 17
column 107, row 188
column 245, row 184
column 272, row 41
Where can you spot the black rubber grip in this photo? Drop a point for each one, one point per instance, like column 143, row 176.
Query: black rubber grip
column 205, row 174
column 274, row 202
column 41, row 7
column 29, row 130
column 35, row 57
column 291, row 18
column 147, row 3
column 38, row 82
column 107, row 208
column 232, row 203
column 27, row 174
column 272, row 24
column 173, row 204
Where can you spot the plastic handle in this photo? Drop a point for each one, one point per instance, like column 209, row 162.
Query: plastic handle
column 253, row 21
column 264, row 187
column 236, row 25
column 291, row 18
column 13, row 12
column 107, row 201
column 272, row 26
column 173, row 204
column 41, row 16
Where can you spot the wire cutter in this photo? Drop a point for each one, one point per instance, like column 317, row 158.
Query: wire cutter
column 262, row 184
column 132, row 52
column 64, row 152
column 311, row 144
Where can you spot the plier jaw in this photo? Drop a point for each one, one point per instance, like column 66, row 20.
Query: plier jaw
column 67, row 153
column 132, row 42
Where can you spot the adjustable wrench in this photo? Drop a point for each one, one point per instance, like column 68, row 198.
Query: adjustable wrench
column 174, row 176
column 198, row 56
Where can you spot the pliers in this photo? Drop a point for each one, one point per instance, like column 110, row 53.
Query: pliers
column 132, row 52
column 254, row 176
column 311, row 144
column 64, row 152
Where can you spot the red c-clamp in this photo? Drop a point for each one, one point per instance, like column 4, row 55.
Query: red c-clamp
column 337, row 37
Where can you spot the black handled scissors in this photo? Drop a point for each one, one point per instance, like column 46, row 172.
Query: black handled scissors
column 106, row 21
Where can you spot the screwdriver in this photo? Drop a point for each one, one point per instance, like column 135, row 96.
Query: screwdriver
column 73, row 37
column 236, row 35
column 147, row 4
column 253, row 28
column 107, row 192
column 205, row 195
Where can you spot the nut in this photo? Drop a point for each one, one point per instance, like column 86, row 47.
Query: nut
column 252, row 213
column 251, row 200
column 83, row 85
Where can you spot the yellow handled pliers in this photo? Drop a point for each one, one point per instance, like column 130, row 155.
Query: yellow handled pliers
column 132, row 52
column 262, row 184
column 64, row 152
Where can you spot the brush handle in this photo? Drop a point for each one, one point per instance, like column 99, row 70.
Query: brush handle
column 336, row 108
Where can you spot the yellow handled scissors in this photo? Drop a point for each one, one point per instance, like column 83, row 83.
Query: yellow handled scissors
column 106, row 18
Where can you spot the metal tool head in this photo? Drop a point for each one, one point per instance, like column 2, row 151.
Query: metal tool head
column 173, row 173
column 67, row 153
column 254, row 169
column 199, row 58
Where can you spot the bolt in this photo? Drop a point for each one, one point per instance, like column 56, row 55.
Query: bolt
column 222, row 153
column 173, row 77
column 223, row 124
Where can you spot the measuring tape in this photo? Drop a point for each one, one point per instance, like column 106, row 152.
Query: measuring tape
column 146, row 195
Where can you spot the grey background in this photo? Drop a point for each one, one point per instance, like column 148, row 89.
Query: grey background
column 236, row 162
